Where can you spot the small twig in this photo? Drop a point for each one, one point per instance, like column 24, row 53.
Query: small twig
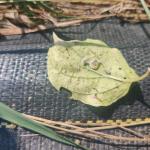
column 97, row 135
column 16, row 30
column 112, row 124
column 132, row 132
column 60, row 24
column 51, row 122
column 87, row 132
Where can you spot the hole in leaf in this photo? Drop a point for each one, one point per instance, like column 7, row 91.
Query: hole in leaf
column 120, row 68
column 65, row 92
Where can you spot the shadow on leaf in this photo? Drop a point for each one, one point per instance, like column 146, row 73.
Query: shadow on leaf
column 134, row 94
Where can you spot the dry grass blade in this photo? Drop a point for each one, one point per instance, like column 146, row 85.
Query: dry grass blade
column 145, row 8
column 31, row 14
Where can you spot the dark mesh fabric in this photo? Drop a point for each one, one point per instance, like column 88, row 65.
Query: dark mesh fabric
column 24, row 85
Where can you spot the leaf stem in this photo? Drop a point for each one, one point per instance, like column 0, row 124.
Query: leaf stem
column 145, row 75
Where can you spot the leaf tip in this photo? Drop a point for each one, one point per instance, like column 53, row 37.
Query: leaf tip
column 56, row 38
column 148, row 70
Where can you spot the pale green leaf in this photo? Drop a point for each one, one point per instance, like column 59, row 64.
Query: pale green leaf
column 92, row 71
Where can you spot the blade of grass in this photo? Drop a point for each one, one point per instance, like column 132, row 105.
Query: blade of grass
column 17, row 118
column 145, row 8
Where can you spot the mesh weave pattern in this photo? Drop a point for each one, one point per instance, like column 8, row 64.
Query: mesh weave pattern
column 25, row 87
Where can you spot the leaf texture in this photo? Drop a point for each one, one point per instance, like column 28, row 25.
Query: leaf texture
column 93, row 72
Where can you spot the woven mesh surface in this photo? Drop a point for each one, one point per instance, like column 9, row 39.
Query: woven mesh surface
column 25, row 87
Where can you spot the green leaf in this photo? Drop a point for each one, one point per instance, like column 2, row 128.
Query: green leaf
column 17, row 118
column 93, row 72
